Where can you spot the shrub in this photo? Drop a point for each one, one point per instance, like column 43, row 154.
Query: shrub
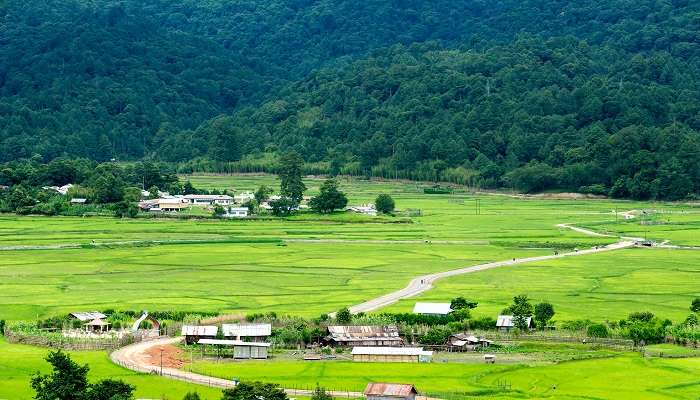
column 598, row 331
column 384, row 204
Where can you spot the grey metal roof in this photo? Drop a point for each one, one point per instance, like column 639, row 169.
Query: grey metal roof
column 363, row 332
column 88, row 315
column 192, row 330
column 247, row 330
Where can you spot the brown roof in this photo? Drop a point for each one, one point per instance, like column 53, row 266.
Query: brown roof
column 389, row 389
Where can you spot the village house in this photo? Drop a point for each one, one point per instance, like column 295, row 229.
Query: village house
column 241, row 349
column 193, row 333
column 236, row 212
column 244, row 197
column 432, row 309
column 370, row 336
column 367, row 209
column 63, row 190
column 92, row 321
column 465, row 342
column 390, row 391
column 247, row 332
column 506, row 323
column 87, row 316
column 391, row 354
column 205, row 200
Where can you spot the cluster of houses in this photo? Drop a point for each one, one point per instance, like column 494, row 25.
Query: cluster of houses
column 504, row 323
column 248, row 341
column 232, row 205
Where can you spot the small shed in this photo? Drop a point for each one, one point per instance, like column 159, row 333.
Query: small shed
column 236, row 212
column 391, row 354
column 432, row 309
column 193, row 333
column 506, row 323
column 342, row 335
column 251, row 332
column 97, row 325
column 241, row 350
column 390, row 391
column 466, row 342
column 490, row 358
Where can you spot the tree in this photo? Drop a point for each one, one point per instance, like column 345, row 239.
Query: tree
column 459, row 303
column 329, row 199
column 218, row 210
column 110, row 389
column 283, row 206
column 191, row 396
column 695, row 305
column 187, row 188
column 153, row 192
column 262, row 194
column 290, row 170
column 384, row 204
column 521, row 309
column 543, row 313
column 254, row 391
column 320, row 394
column 67, row 381
column 125, row 209
column 343, row 316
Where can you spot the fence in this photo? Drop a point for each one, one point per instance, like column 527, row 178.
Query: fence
column 70, row 343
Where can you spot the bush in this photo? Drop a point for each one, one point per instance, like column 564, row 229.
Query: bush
column 384, row 204
column 598, row 331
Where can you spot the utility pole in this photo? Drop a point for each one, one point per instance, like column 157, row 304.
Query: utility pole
column 161, row 360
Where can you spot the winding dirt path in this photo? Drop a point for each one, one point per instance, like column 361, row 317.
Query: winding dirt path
column 139, row 357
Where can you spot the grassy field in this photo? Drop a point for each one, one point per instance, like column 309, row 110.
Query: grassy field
column 599, row 287
column 19, row 362
column 626, row 376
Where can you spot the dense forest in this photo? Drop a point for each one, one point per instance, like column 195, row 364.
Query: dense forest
column 592, row 95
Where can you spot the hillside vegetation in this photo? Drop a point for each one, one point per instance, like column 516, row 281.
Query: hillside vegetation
column 595, row 96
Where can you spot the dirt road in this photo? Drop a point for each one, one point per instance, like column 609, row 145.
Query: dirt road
column 140, row 357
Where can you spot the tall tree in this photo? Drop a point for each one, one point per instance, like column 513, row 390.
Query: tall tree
column 290, row 171
column 329, row 199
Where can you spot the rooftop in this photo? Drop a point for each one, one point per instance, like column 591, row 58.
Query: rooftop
column 226, row 342
column 250, row 330
column 192, row 330
column 391, row 351
column 432, row 308
column 389, row 389
column 88, row 315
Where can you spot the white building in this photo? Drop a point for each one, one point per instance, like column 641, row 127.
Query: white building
column 434, row 309
column 236, row 212
column 243, row 198
column 209, row 199
column 367, row 209
column 391, row 354
column 506, row 323
column 254, row 332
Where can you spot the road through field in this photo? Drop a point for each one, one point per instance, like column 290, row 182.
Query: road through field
column 424, row 283
column 137, row 357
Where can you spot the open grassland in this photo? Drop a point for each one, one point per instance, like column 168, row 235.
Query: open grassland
column 625, row 376
column 680, row 227
column 599, row 287
column 19, row 362
column 299, row 278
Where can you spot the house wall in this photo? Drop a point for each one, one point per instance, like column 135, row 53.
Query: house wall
column 384, row 358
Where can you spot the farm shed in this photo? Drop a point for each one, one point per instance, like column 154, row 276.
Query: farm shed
column 390, row 391
column 241, row 350
column 391, row 354
column 432, row 309
column 505, row 323
column 193, row 333
column 87, row 316
column 252, row 332
column 340, row 335
column 465, row 342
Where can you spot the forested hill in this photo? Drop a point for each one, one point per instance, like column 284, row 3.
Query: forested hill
column 592, row 95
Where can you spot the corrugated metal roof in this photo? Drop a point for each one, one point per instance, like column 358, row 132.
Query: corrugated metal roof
column 507, row 321
column 193, row 330
column 225, row 342
column 389, row 389
column 432, row 308
column 208, row 197
column 391, row 351
column 88, row 315
column 345, row 332
column 246, row 330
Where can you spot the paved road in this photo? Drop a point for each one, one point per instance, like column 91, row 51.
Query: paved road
column 135, row 358
column 425, row 282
